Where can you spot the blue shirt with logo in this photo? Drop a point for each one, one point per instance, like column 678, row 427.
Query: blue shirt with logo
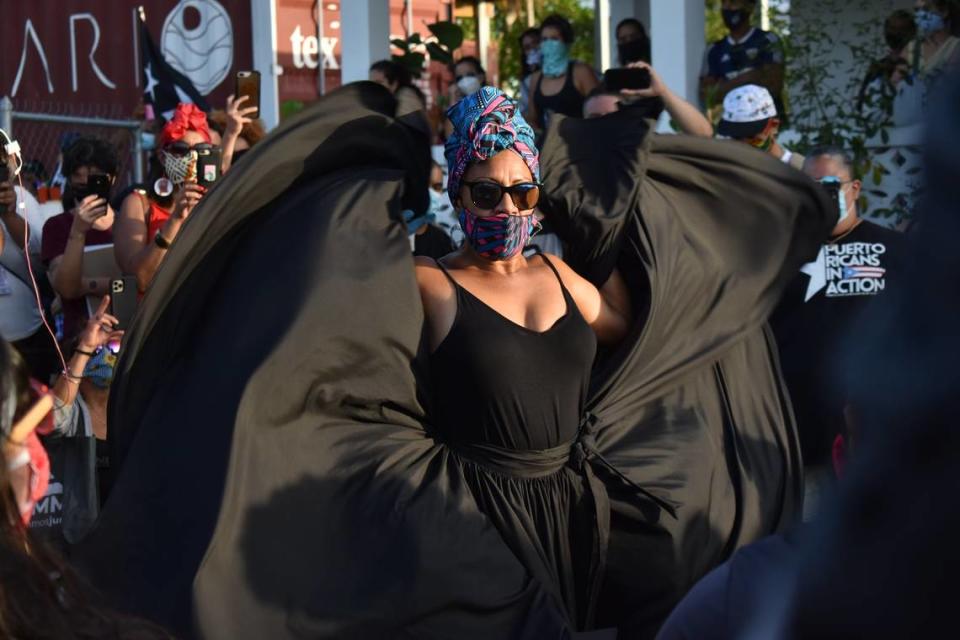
column 727, row 58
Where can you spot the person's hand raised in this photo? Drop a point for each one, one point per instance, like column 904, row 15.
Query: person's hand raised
column 237, row 116
column 88, row 211
column 187, row 198
column 100, row 330
column 657, row 87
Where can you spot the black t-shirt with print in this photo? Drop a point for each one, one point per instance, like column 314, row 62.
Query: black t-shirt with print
column 847, row 284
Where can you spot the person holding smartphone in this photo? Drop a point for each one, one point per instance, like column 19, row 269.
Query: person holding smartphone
column 240, row 129
column 648, row 101
column 151, row 219
column 77, row 444
column 90, row 165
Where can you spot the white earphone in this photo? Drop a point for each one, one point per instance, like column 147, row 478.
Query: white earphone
column 12, row 147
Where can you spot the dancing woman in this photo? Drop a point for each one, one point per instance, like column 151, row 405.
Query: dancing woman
column 376, row 450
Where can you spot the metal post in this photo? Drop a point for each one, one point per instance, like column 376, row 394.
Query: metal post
column 137, row 157
column 322, row 60
column 6, row 115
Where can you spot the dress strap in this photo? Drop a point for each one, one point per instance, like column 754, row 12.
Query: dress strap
column 552, row 268
column 455, row 284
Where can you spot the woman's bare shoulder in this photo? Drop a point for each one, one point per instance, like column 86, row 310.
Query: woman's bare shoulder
column 134, row 205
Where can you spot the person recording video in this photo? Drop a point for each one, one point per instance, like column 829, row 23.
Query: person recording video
column 151, row 219
column 640, row 88
column 90, row 165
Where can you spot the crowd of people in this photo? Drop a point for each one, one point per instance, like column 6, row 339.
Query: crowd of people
column 547, row 264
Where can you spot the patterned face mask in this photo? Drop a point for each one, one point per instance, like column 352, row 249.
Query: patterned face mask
column 178, row 168
column 556, row 57
column 99, row 369
column 497, row 237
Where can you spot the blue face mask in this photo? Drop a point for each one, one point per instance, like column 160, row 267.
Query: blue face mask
column 556, row 56
column 148, row 141
column 928, row 22
column 99, row 369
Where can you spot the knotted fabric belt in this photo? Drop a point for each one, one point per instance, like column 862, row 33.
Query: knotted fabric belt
column 581, row 455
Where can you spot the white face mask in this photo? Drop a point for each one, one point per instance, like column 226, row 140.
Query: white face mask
column 468, row 85
column 439, row 203
column 534, row 57
column 178, row 168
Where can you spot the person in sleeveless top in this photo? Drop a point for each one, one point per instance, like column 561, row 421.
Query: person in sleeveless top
column 384, row 491
column 512, row 342
column 561, row 85
column 150, row 220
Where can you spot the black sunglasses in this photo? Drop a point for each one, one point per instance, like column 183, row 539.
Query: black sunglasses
column 181, row 148
column 487, row 195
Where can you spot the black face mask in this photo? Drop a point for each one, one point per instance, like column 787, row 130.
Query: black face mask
column 73, row 195
column 733, row 18
column 897, row 40
column 634, row 51
column 646, row 108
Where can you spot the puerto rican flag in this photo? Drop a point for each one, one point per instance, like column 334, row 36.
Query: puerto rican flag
column 852, row 273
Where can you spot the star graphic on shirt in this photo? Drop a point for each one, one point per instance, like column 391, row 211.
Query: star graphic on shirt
column 817, row 270
column 151, row 82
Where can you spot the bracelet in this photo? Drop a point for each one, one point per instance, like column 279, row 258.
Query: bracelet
column 85, row 353
column 161, row 242
column 70, row 377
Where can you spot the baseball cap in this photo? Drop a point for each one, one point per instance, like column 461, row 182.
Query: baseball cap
column 746, row 111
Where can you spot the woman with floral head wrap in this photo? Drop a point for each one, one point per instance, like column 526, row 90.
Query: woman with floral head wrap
column 150, row 219
column 512, row 341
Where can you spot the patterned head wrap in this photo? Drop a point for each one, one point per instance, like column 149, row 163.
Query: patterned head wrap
column 484, row 124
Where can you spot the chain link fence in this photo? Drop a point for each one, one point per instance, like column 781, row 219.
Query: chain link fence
column 39, row 126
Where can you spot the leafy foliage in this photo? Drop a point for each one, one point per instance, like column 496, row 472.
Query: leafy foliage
column 824, row 78
column 445, row 38
column 831, row 104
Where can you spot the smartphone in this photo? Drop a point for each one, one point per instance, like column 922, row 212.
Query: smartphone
column 626, row 78
column 123, row 300
column 248, row 84
column 99, row 186
column 208, row 166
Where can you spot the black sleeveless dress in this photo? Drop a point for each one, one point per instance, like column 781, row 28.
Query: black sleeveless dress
column 314, row 498
column 508, row 401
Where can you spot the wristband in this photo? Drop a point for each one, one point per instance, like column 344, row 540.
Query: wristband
column 161, row 242
column 85, row 353
column 70, row 377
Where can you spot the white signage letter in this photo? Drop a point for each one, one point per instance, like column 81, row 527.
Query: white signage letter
column 28, row 30
column 96, row 41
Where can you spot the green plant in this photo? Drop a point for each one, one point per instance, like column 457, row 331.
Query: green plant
column 581, row 17
column 445, row 38
column 831, row 104
column 825, row 97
